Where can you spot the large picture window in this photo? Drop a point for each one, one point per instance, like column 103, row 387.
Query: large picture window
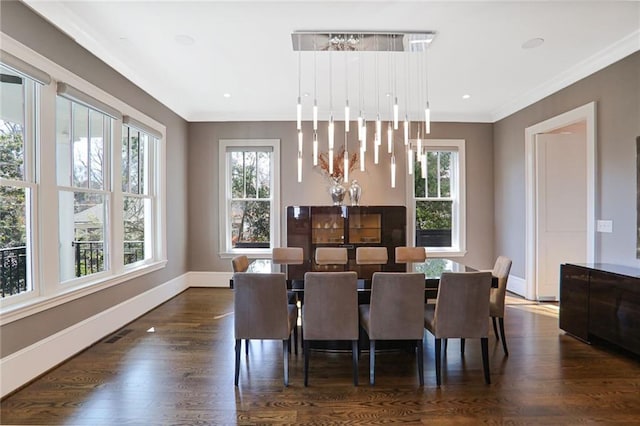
column 250, row 170
column 18, row 127
column 437, row 197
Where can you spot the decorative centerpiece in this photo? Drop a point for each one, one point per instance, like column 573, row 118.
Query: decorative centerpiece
column 336, row 189
column 355, row 191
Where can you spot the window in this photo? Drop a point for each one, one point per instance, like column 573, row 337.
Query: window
column 438, row 198
column 250, row 171
column 84, row 138
column 139, row 202
column 19, row 100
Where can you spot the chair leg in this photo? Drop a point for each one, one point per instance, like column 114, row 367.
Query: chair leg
column 238, row 350
column 246, row 347
column 372, row 361
column 295, row 339
column 354, row 355
column 438, row 360
column 462, row 346
column 485, row 359
column 446, row 344
column 305, row 349
column 285, row 355
column 420, row 359
column 495, row 328
column 504, row 340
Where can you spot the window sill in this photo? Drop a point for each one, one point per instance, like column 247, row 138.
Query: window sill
column 34, row 305
column 250, row 253
column 437, row 252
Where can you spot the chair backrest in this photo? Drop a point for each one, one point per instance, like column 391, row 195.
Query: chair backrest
column 410, row 254
column 331, row 256
column 462, row 307
column 397, row 306
column 240, row 263
column 287, row 255
column 371, row 255
column 260, row 306
column 330, row 310
column 501, row 269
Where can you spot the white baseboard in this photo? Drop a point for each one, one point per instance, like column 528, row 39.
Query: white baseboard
column 517, row 285
column 21, row 367
column 208, row 279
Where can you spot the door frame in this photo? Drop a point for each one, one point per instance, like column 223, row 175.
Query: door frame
column 585, row 113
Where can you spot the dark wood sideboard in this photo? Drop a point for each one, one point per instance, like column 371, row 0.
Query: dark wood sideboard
column 601, row 301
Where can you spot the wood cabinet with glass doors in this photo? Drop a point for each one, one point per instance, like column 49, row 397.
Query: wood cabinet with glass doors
column 351, row 227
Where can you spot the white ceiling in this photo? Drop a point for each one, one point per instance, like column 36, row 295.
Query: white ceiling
column 244, row 48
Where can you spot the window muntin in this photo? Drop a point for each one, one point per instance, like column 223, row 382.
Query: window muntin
column 438, row 197
column 83, row 139
column 19, row 102
column 249, row 220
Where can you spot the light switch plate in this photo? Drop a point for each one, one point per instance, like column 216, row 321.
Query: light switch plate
column 605, row 226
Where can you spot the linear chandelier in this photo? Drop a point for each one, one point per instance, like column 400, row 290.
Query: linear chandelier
column 406, row 57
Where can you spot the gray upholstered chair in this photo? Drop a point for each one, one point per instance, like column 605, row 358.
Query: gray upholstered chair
column 410, row 255
column 396, row 312
column 330, row 312
column 331, row 256
column 240, row 263
column 261, row 312
column 287, row 256
column 369, row 260
column 501, row 270
column 460, row 312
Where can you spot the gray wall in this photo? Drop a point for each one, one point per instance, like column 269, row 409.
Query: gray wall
column 616, row 91
column 19, row 22
column 375, row 181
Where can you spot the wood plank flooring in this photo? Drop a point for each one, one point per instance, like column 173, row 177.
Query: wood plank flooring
column 182, row 373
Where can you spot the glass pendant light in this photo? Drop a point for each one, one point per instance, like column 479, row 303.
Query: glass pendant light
column 389, row 138
column 410, row 159
column 427, row 110
column 315, row 148
column 345, row 166
column 393, row 170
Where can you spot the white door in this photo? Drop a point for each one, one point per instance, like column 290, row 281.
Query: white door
column 561, row 208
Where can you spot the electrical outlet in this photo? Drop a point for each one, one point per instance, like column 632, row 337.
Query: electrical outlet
column 605, row 226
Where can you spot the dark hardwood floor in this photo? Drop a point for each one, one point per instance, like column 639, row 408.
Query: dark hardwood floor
column 182, row 373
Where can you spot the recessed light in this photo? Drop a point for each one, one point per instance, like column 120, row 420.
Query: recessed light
column 466, row 96
column 305, row 94
column 227, row 95
column 184, row 40
column 533, row 43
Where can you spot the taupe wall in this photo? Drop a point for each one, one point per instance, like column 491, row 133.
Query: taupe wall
column 19, row 22
column 616, row 90
column 375, row 181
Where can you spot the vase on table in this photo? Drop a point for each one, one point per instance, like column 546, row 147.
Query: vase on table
column 337, row 191
column 355, row 191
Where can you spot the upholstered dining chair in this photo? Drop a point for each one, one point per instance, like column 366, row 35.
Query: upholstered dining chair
column 261, row 312
column 331, row 256
column 330, row 312
column 460, row 312
column 501, row 270
column 286, row 256
column 396, row 312
column 410, row 255
column 370, row 260
column 240, row 263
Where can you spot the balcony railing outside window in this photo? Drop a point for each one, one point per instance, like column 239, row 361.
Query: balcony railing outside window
column 13, row 270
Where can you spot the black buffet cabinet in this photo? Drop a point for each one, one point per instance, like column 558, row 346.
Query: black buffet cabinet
column 311, row 227
column 601, row 301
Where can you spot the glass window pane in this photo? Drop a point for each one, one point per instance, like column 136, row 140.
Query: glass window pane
column 433, row 223
column 432, row 174
column 237, row 174
column 250, row 174
column 80, row 146
column 142, row 149
column 96, row 149
column 63, row 141
column 134, row 226
column 13, row 240
column 250, row 224
column 264, row 174
column 125, row 158
column 134, row 151
column 81, row 233
column 445, row 173
column 12, row 124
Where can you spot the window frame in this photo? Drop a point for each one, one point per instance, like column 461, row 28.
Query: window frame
column 458, row 194
column 224, row 230
column 49, row 291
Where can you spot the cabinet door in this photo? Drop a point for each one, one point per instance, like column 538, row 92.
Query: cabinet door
column 574, row 301
column 328, row 229
column 299, row 235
